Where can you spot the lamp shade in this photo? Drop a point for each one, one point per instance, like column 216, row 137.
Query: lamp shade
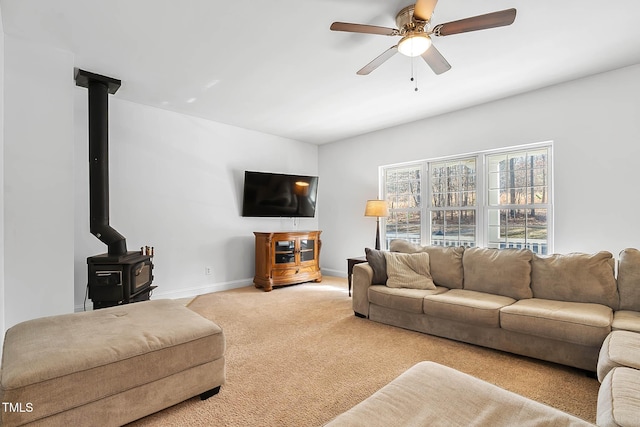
column 377, row 208
column 301, row 188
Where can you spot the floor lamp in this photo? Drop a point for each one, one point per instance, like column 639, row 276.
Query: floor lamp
column 377, row 208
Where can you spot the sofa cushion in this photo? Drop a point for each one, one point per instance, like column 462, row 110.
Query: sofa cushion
column 402, row 299
column 505, row 272
column 629, row 279
column 408, row 271
column 445, row 262
column 618, row 403
column 378, row 263
column 429, row 394
column 579, row 323
column 620, row 348
column 575, row 277
column 626, row 320
column 467, row 306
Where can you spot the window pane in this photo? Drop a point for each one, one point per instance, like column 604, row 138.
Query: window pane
column 468, row 198
column 453, row 185
column 494, row 180
column 453, row 199
column 516, row 224
column 453, row 227
column 403, row 225
column 518, row 178
column 537, row 224
column 517, row 161
column 402, row 187
column 438, row 200
column 437, row 226
column 518, row 228
column 468, row 218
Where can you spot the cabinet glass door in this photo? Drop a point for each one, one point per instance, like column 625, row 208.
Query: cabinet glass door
column 285, row 251
column 307, row 250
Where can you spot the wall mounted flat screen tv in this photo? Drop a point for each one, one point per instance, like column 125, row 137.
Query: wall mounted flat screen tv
column 279, row 195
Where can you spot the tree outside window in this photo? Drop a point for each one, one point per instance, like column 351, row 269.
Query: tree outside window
column 518, row 204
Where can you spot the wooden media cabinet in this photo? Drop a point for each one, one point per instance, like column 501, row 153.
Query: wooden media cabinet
column 287, row 258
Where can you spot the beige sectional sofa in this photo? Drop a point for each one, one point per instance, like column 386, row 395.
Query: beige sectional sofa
column 558, row 308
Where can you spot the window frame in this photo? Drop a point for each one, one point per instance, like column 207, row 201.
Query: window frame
column 423, row 195
column 431, row 207
column 526, row 206
column 482, row 206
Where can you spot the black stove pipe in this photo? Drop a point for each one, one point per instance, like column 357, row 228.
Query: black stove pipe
column 99, row 89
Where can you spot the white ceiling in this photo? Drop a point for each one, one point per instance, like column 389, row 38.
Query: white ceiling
column 275, row 67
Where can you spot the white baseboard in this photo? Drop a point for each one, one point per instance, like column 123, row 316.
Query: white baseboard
column 194, row 292
column 337, row 273
column 184, row 293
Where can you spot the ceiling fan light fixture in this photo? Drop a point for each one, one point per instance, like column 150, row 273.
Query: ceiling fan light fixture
column 414, row 44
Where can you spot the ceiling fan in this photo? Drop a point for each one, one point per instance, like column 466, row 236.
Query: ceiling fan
column 414, row 25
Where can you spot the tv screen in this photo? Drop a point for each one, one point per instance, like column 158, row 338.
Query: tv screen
column 279, row 195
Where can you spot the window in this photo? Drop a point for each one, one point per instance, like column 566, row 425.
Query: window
column 443, row 202
column 518, row 204
column 453, row 202
column 403, row 190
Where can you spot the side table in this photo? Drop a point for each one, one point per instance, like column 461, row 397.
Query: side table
column 350, row 263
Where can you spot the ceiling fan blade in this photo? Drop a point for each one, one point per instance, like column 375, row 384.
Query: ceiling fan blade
column 424, row 9
column 378, row 61
column 362, row 28
column 475, row 23
column 435, row 60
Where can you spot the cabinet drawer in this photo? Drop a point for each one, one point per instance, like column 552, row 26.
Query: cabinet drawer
column 290, row 272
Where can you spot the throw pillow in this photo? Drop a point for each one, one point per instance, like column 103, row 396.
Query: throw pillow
column 408, row 270
column 445, row 263
column 378, row 264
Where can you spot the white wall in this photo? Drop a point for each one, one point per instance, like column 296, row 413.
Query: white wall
column 176, row 184
column 594, row 123
column 38, row 181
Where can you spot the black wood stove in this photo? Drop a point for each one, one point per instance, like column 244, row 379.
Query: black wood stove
column 119, row 276
column 120, row 280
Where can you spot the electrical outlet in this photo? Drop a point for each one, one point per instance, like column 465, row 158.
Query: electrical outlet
column 208, row 271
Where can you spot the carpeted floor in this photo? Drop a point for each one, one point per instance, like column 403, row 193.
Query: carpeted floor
column 297, row 356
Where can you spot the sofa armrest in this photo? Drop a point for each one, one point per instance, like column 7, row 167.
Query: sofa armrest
column 362, row 279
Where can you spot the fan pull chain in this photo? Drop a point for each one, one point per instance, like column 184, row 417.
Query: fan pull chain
column 414, row 79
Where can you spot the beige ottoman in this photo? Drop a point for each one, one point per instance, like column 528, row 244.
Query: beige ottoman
column 620, row 348
column 110, row 366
